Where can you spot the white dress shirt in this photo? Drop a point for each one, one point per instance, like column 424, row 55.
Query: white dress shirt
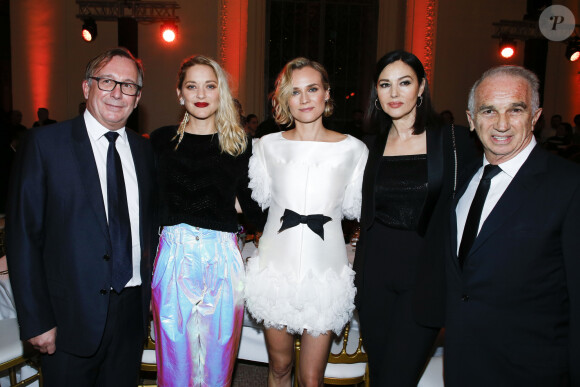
column 100, row 146
column 498, row 186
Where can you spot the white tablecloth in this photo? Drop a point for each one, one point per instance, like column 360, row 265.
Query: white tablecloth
column 11, row 348
column 7, row 309
column 10, row 345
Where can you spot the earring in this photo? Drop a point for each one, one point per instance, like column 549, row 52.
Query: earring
column 377, row 107
column 181, row 101
column 420, row 98
column 185, row 119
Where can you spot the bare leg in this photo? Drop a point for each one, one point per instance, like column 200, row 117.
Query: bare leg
column 313, row 358
column 280, row 345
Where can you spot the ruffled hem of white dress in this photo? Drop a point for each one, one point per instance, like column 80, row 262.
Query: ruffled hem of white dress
column 317, row 303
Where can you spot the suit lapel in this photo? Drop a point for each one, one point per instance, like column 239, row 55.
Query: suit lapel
column 140, row 170
column 470, row 171
column 89, row 175
column 526, row 179
column 435, row 167
column 370, row 179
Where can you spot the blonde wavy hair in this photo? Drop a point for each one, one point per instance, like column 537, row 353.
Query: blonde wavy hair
column 232, row 137
column 283, row 90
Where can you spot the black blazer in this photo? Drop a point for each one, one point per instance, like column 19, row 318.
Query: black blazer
column 513, row 312
column 57, row 235
column 448, row 150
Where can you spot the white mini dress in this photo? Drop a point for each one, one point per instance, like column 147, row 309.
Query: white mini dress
column 297, row 279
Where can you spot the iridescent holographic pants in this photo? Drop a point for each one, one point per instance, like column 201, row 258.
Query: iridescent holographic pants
column 198, row 306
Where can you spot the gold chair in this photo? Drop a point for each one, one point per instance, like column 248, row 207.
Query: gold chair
column 345, row 367
column 149, row 360
column 13, row 354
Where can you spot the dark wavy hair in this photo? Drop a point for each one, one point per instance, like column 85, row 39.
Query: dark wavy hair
column 380, row 121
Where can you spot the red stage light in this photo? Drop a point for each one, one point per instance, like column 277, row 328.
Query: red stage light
column 89, row 32
column 507, row 48
column 87, row 36
column 573, row 49
column 507, row 52
column 169, row 32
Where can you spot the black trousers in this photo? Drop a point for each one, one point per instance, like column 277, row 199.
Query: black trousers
column 117, row 360
column 398, row 348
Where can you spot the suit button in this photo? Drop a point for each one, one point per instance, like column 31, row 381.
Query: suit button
column 196, row 238
column 103, row 291
column 106, row 257
column 465, row 298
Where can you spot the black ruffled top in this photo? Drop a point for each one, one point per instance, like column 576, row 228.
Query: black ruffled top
column 400, row 190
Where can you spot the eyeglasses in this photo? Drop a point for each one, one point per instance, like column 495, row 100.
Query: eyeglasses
column 127, row 88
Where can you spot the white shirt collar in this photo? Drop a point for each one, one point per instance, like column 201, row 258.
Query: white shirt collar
column 96, row 130
column 513, row 165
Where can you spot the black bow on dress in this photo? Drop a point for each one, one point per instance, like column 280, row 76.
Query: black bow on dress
column 314, row 222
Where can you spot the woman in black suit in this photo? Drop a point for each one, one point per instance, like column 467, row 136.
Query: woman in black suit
column 411, row 172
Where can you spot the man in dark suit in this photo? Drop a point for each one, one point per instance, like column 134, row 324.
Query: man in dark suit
column 513, row 295
column 81, row 233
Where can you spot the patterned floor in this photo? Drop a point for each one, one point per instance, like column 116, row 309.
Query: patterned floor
column 246, row 374
column 249, row 374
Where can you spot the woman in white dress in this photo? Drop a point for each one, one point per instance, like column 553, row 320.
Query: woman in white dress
column 310, row 177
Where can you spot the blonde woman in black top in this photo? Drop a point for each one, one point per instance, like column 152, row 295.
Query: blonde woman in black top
column 198, row 277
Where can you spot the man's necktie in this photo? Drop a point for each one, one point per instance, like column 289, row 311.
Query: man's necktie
column 119, row 223
column 474, row 214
